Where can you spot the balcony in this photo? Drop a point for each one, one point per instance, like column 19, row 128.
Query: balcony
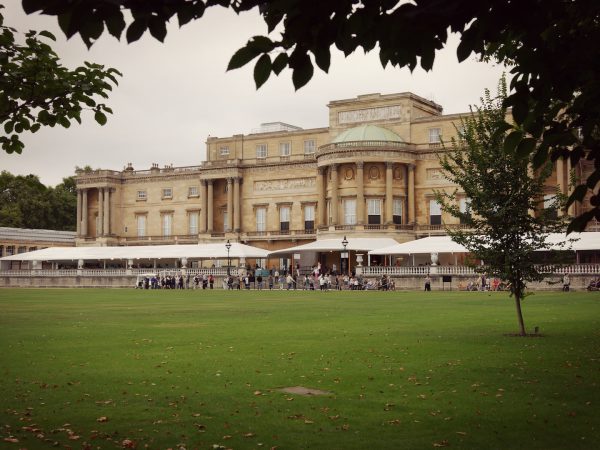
column 159, row 240
column 280, row 234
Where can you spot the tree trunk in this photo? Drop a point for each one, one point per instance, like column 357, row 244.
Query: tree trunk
column 520, row 314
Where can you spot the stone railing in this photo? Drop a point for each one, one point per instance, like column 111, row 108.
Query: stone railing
column 217, row 271
column 398, row 271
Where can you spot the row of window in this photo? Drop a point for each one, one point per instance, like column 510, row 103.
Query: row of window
column 285, row 149
column 9, row 250
column 167, row 193
column 374, row 216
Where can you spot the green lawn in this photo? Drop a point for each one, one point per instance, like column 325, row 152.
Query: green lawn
column 194, row 369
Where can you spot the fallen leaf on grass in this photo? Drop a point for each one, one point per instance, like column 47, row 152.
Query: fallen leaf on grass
column 249, row 435
column 462, row 433
column 102, row 419
column 257, row 393
column 443, row 443
column 11, row 439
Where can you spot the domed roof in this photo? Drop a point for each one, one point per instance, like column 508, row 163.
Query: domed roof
column 367, row 133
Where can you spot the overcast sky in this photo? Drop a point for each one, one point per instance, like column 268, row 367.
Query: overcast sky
column 174, row 95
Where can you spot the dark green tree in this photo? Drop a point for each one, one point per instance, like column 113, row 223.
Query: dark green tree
column 36, row 90
column 505, row 218
column 25, row 202
column 548, row 45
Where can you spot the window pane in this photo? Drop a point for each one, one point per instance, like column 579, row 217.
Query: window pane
column 309, row 146
column 167, row 223
column 435, row 209
column 285, row 149
column 141, row 226
column 374, row 207
column 309, row 212
column 261, row 219
column 350, row 211
column 261, row 151
column 397, row 207
column 193, row 223
column 434, row 135
column 225, row 224
column 284, row 214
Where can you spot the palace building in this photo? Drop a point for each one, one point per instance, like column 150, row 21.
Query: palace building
column 371, row 172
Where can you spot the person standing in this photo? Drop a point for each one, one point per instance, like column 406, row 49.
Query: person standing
column 566, row 283
column 428, row 283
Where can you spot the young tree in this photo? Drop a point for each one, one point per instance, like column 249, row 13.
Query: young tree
column 36, row 90
column 505, row 224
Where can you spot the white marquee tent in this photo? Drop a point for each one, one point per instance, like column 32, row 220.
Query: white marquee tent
column 335, row 245
column 145, row 252
column 445, row 244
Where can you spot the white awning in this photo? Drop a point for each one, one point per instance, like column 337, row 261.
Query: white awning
column 193, row 251
column 444, row 244
column 325, row 245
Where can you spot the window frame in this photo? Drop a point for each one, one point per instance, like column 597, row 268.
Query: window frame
column 260, row 149
column 164, row 194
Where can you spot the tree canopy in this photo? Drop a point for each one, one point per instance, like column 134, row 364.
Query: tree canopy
column 502, row 198
column 36, row 90
column 25, row 202
column 555, row 93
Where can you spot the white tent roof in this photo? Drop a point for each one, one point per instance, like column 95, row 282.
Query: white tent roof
column 433, row 244
column 323, row 245
column 194, row 251
column 444, row 244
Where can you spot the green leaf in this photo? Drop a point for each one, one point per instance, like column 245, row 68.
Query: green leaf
column 135, row 30
column 262, row 70
column 512, row 140
column 158, row 28
column 427, row 58
column 115, row 24
column 47, row 34
column 9, row 127
column 64, row 122
column 100, row 117
column 242, row 57
column 261, row 43
column 322, row 58
column 279, row 63
column 525, row 147
column 464, row 49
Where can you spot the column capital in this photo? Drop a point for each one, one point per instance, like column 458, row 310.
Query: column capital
column 411, row 166
column 389, row 164
column 229, row 181
column 360, row 164
column 209, row 182
column 333, row 166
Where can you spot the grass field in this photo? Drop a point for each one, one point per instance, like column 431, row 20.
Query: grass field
column 197, row 369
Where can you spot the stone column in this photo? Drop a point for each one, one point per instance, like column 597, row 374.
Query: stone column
column 411, row 194
column 84, row 213
column 321, row 202
column 229, row 224
column 106, row 227
column 389, row 193
column 360, row 193
column 209, row 209
column 100, row 230
column 237, row 212
column 334, row 194
column 79, row 212
column 560, row 178
column 203, row 195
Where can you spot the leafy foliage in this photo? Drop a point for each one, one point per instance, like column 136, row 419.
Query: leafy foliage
column 555, row 94
column 36, row 90
column 502, row 193
column 25, row 202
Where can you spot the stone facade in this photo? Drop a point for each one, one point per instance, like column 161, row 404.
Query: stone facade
column 283, row 186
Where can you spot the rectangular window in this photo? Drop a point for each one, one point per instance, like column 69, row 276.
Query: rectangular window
column 284, row 218
column 285, row 148
column 550, row 203
column 374, row 211
column 261, row 151
column 141, row 195
column 10, row 250
column 193, row 191
column 225, row 223
column 397, row 211
column 435, row 135
column 22, row 249
column 167, row 193
column 193, row 222
column 435, row 213
column 141, row 225
column 261, row 219
column 464, row 207
column 350, row 211
column 167, row 224
column 309, row 147
column 309, row 217
column 224, row 151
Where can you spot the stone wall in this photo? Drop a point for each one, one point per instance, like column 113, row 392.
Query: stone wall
column 578, row 282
